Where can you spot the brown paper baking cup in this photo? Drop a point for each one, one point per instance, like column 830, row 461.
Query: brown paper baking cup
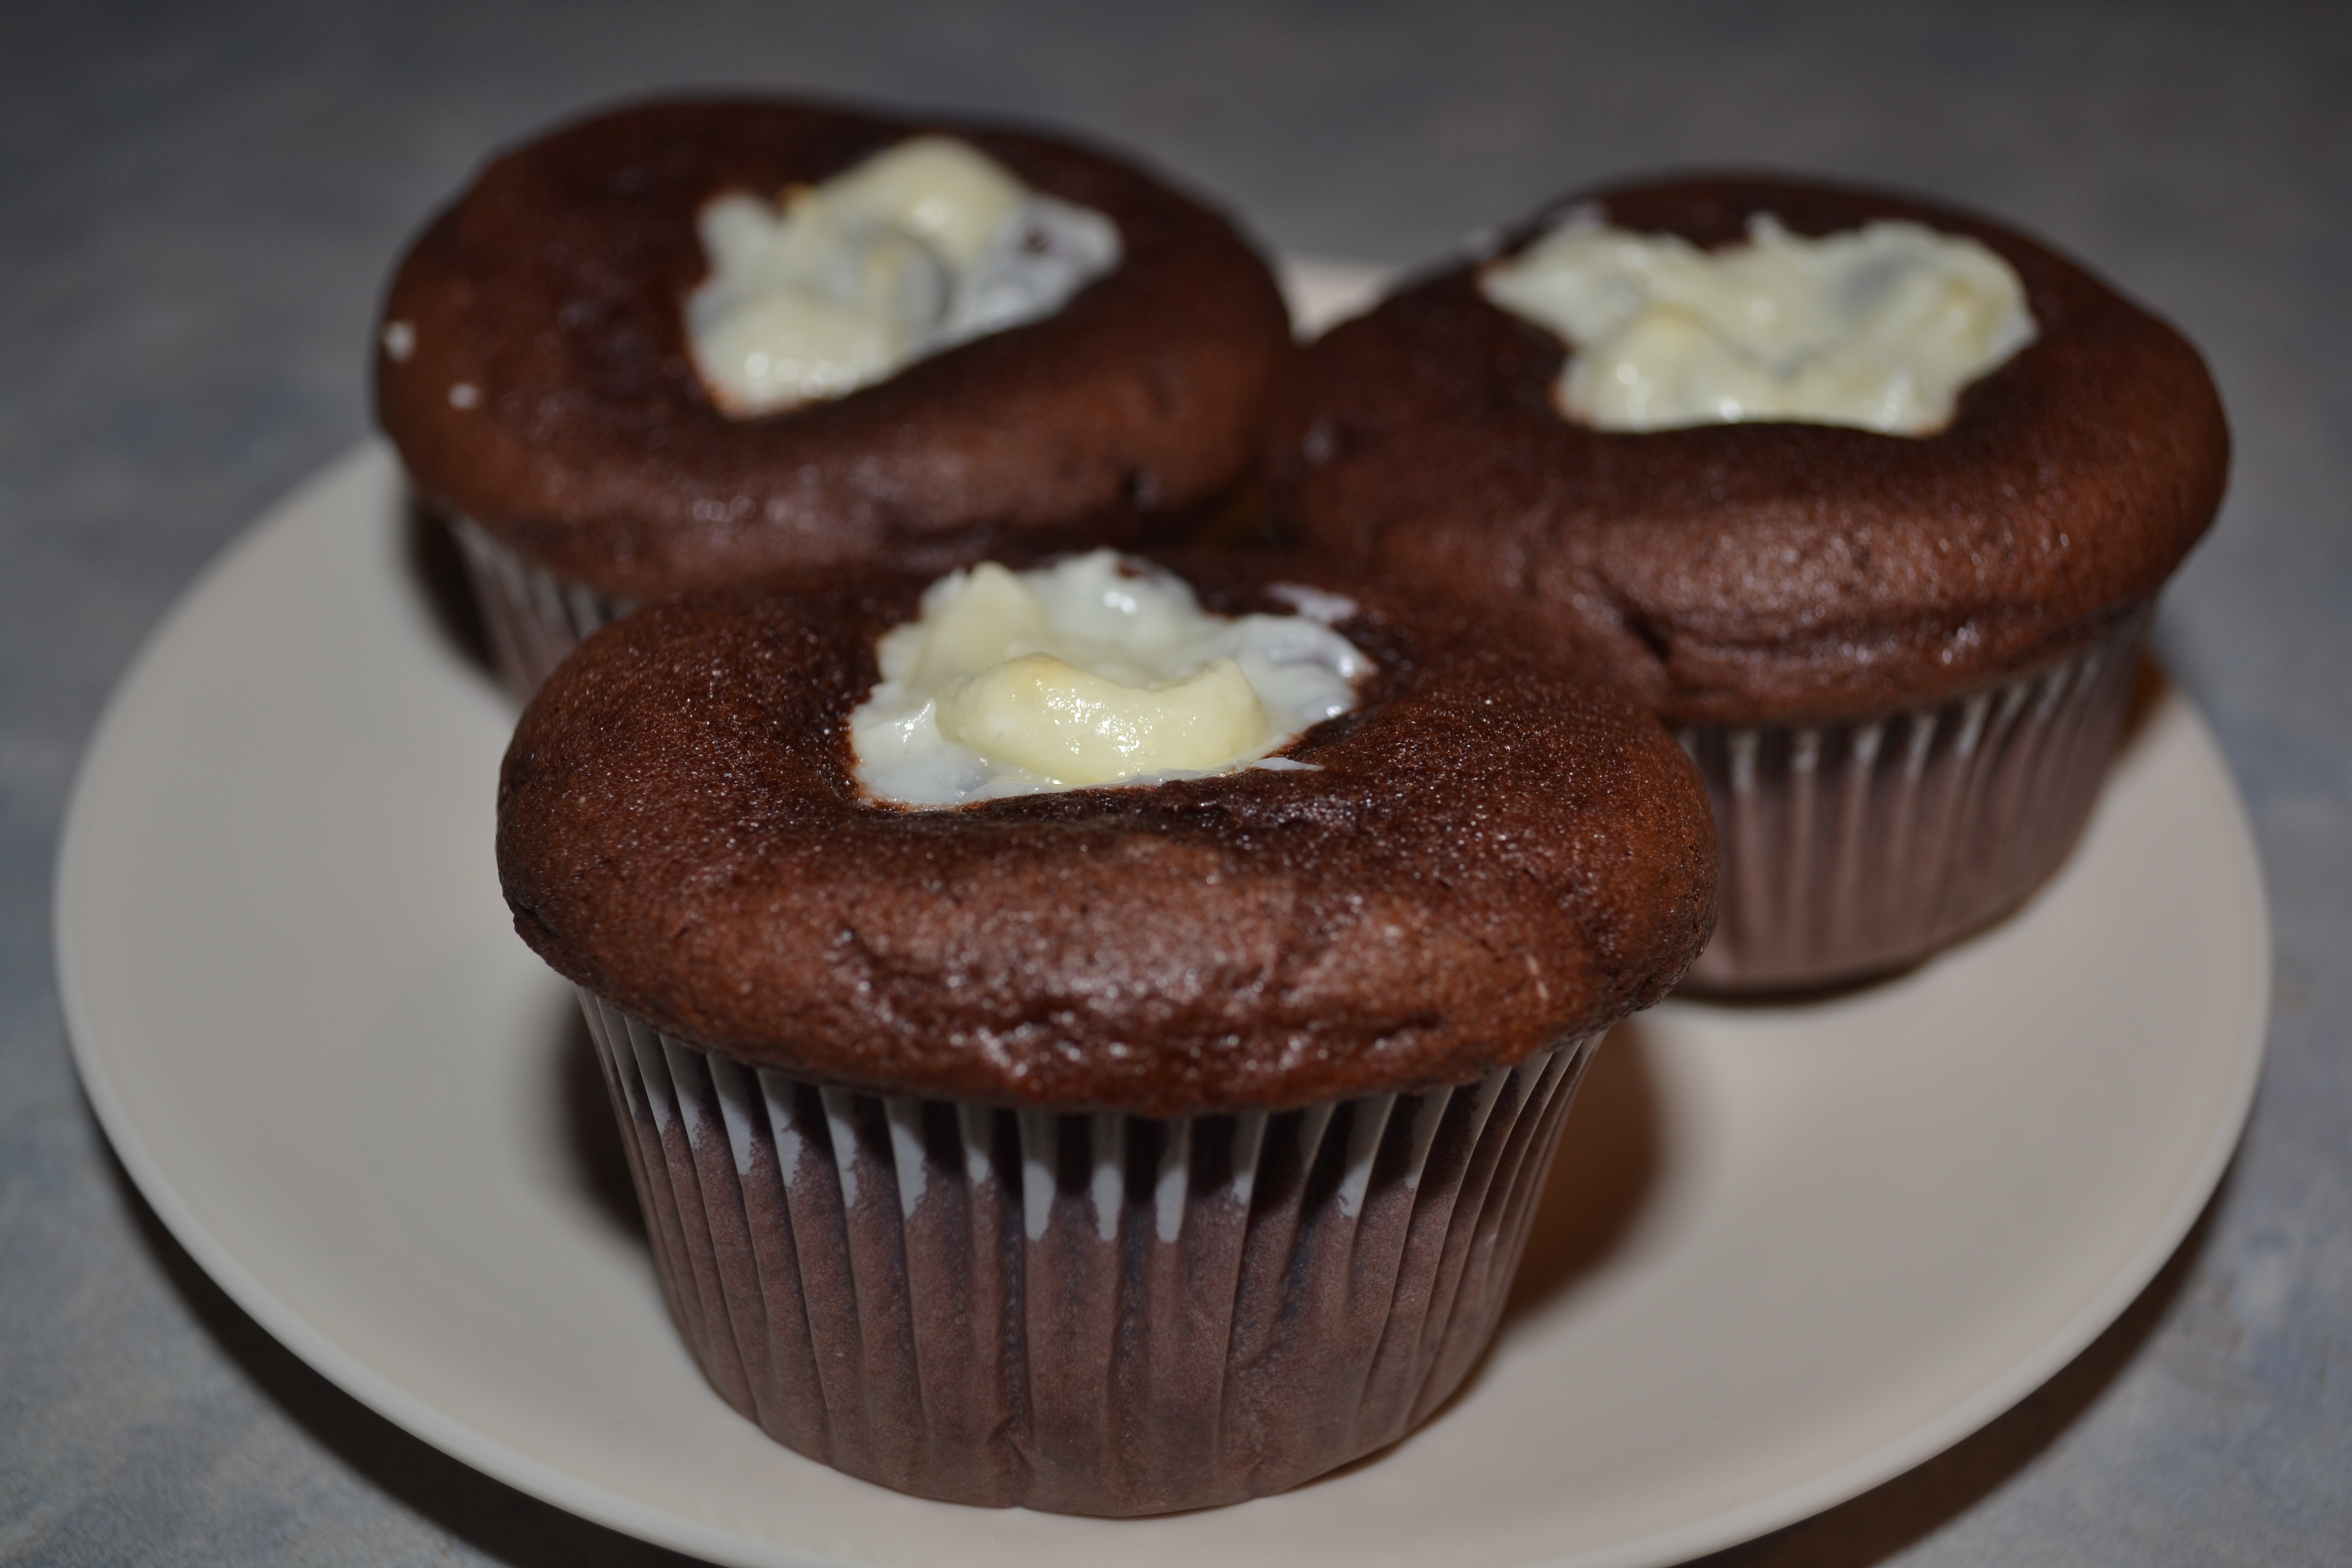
column 1088, row 1313
column 533, row 617
column 1856, row 848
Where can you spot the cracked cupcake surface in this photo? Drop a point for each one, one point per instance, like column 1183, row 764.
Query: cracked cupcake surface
column 647, row 351
column 1482, row 857
column 1764, row 568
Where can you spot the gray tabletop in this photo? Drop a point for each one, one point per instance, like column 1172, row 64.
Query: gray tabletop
column 197, row 208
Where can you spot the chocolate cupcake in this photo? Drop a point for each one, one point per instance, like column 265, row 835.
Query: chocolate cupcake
column 1892, row 605
column 1112, row 1149
column 688, row 342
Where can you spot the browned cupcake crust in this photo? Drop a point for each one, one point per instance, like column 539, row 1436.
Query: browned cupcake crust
column 546, row 389
column 1766, row 572
column 1487, row 859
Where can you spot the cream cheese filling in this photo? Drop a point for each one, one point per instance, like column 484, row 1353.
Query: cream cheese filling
column 926, row 244
column 1878, row 327
column 1093, row 671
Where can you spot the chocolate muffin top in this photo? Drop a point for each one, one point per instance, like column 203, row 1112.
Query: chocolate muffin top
column 536, row 376
column 1765, row 572
column 1483, row 859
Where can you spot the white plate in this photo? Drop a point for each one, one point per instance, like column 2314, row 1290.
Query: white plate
column 1789, row 1252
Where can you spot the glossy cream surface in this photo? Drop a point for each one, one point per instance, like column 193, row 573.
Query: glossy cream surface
column 1878, row 327
column 924, row 246
column 1093, row 671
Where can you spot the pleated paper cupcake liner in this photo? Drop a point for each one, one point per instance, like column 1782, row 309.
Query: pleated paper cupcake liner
column 1853, row 848
column 533, row 617
column 1088, row 1313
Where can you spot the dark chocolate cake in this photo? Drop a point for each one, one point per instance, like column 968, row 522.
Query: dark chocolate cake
column 1766, row 572
column 1118, row 1150
column 1487, row 857
column 1900, row 660
column 535, row 374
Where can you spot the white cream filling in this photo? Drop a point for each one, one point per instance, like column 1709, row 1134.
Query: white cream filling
column 924, row 246
column 1093, row 671
column 1878, row 327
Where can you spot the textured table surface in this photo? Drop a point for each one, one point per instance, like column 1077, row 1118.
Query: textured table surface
column 197, row 207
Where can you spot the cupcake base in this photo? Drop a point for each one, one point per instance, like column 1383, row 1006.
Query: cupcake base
column 1084, row 1313
column 535, row 618
column 1850, row 850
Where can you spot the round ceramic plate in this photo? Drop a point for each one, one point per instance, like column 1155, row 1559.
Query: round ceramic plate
column 1789, row 1251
